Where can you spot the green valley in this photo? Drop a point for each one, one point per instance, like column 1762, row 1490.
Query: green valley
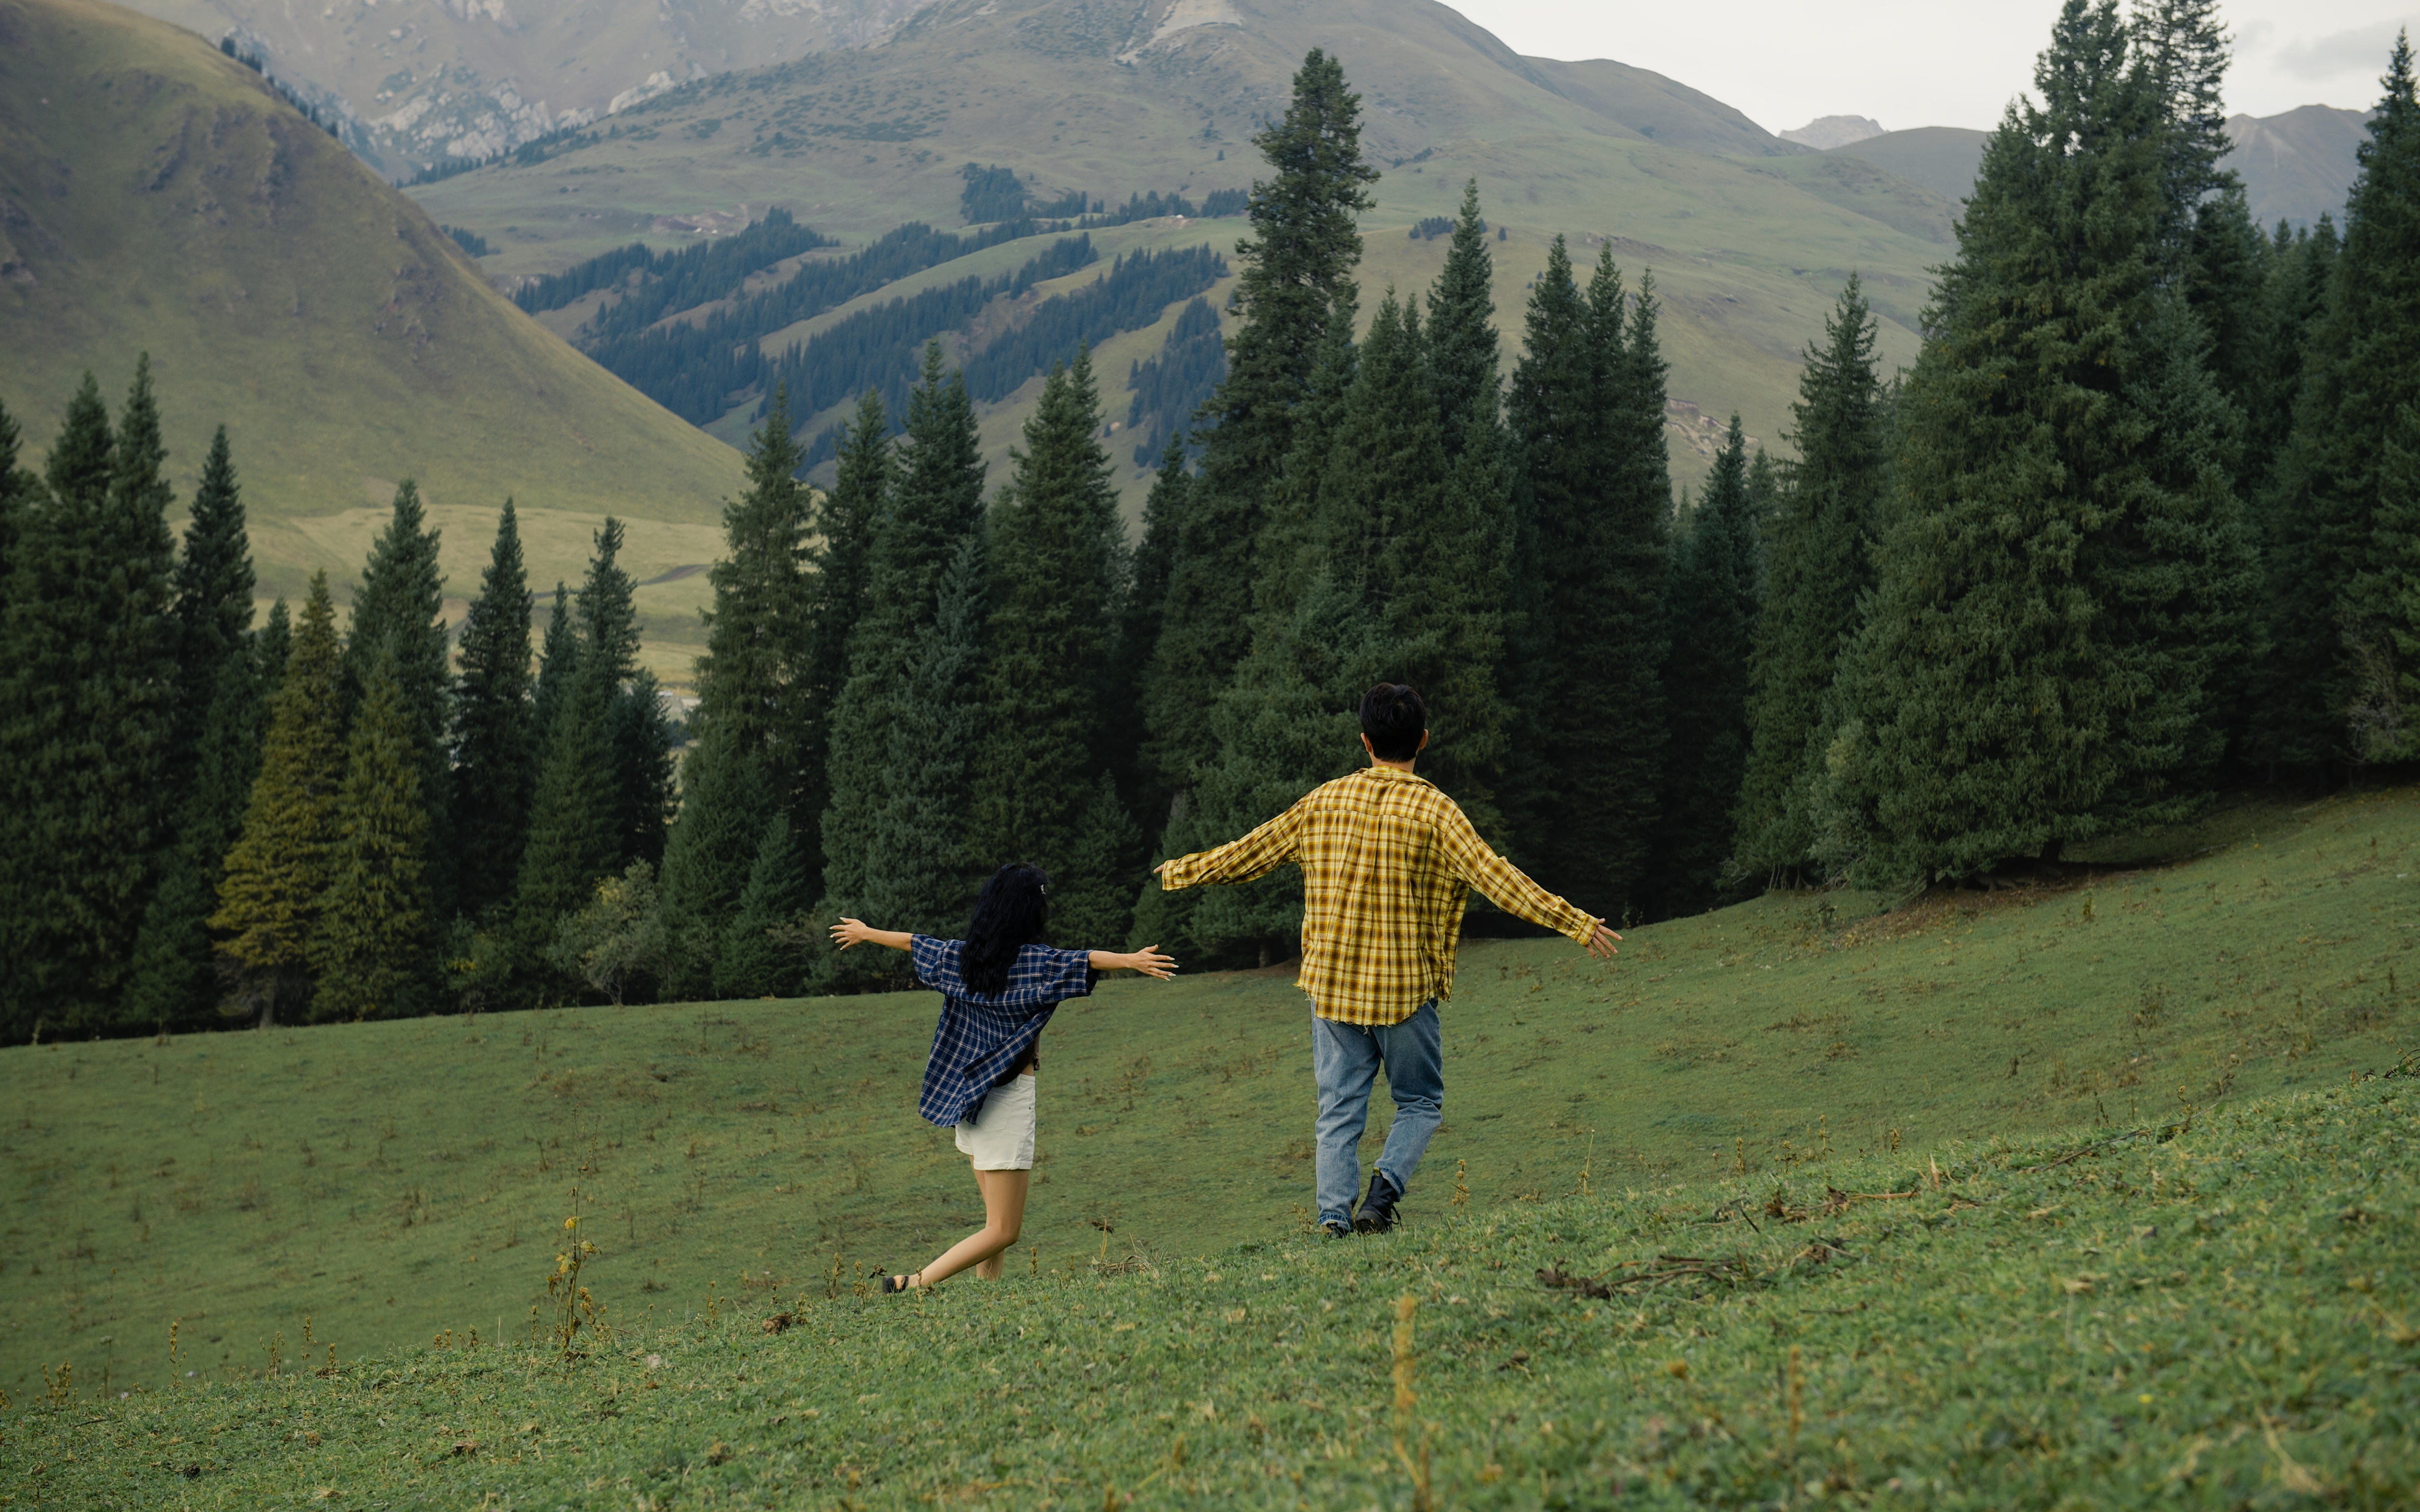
column 156, row 196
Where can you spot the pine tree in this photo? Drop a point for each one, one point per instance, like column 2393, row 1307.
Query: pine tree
column 174, row 983
column 751, row 964
column 558, row 657
column 495, row 747
column 1714, row 599
column 2344, row 554
column 1296, row 273
column 762, row 700
column 751, row 681
column 277, row 871
column 401, row 605
column 848, row 519
column 2035, row 665
column 213, row 584
column 1145, row 790
column 1587, row 406
column 371, row 949
column 1819, row 566
column 638, row 796
column 1057, row 559
column 936, row 505
column 1461, row 355
column 276, row 643
column 707, row 858
column 920, row 874
column 216, row 745
column 87, row 690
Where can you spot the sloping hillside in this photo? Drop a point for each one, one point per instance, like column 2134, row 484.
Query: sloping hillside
column 157, row 196
column 2296, row 166
column 1074, row 98
column 2299, row 165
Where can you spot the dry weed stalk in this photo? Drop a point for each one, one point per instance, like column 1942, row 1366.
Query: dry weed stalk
column 1417, row 1467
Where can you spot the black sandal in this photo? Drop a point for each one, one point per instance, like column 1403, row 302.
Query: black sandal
column 893, row 1284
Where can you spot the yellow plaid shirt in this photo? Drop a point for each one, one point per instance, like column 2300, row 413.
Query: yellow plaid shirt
column 1388, row 864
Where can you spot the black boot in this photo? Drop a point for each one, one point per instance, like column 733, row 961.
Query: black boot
column 1377, row 1212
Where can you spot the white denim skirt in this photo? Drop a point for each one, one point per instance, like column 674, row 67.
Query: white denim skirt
column 999, row 1136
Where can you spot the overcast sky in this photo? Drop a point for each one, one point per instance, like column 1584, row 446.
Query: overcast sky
column 1931, row 62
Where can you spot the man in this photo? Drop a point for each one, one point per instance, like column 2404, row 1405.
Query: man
column 1388, row 863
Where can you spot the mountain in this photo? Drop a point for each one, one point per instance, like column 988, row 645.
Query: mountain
column 158, row 196
column 418, row 82
column 2299, row 165
column 1827, row 131
column 1083, row 103
column 2296, row 166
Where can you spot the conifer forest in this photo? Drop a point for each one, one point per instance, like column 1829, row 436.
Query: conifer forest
column 2141, row 523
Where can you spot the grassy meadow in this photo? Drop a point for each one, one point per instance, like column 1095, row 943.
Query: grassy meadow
column 2211, row 1311
column 372, row 1186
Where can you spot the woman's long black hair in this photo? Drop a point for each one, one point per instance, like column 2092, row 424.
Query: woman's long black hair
column 1012, row 913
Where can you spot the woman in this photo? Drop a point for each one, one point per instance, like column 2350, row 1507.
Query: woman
column 999, row 987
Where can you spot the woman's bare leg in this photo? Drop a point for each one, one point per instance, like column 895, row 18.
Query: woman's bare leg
column 1003, row 1193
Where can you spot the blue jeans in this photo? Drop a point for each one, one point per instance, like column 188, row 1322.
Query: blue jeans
column 1344, row 1058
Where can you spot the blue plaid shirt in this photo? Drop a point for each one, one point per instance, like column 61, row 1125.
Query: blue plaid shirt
column 981, row 1035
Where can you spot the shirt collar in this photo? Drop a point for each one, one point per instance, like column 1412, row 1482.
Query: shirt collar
column 1389, row 773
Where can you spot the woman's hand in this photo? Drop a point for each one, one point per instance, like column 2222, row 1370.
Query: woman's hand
column 1148, row 961
column 850, row 932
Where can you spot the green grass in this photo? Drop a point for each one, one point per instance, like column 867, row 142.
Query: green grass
column 2212, row 1312
column 390, row 1180
column 172, row 204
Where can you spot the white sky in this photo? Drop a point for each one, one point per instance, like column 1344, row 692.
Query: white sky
column 1933, row 62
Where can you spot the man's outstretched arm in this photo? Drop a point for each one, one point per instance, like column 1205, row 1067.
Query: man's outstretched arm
column 1239, row 860
column 1509, row 888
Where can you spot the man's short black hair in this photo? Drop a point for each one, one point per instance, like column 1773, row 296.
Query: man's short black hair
column 1394, row 718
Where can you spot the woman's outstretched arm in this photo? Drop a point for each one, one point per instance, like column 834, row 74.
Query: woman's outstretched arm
column 850, row 932
column 1148, row 961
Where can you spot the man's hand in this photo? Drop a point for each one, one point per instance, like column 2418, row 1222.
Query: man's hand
column 1601, row 944
column 1148, row 961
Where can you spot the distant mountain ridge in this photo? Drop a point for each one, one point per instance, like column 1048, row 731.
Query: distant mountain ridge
column 418, row 82
column 1827, row 131
column 2296, row 166
column 157, row 196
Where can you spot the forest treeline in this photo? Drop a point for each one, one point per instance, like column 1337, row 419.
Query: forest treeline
column 2143, row 520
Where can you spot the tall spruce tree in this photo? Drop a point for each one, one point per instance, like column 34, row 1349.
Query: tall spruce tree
column 276, row 643
column 757, row 706
column 847, row 520
column 591, row 789
column 637, row 735
column 751, row 963
column 277, row 873
column 1462, row 360
column 2065, row 559
column 1057, row 559
column 1714, row 599
column 920, row 872
column 1587, row 410
column 1297, row 272
column 2344, row 551
column 401, row 605
column 936, row 506
column 213, row 584
column 758, row 643
column 1818, row 568
column 88, row 708
column 1143, row 787
column 215, row 753
column 372, row 949
column 174, row 980
column 558, row 658
column 495, row 742
column 1318, row 574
